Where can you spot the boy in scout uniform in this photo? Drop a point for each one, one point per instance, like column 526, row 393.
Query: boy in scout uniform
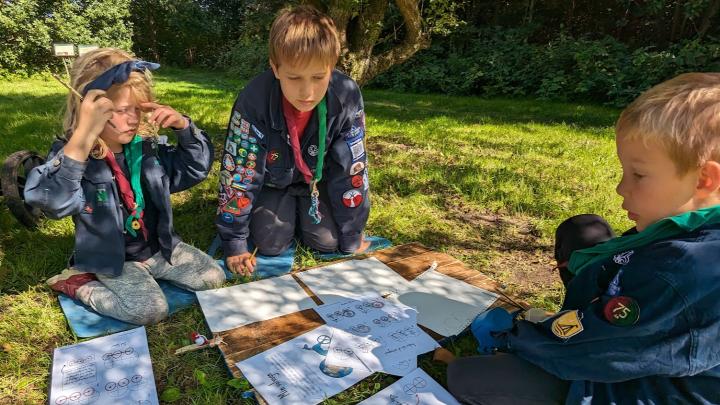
column 641, row 317
column 294, row 160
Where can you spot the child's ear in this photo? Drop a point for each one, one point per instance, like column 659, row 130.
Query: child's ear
column 709, row 179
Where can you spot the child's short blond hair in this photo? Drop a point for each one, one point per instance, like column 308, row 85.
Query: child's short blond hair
column 303, row 34
column 682, row 114
column 88, row 67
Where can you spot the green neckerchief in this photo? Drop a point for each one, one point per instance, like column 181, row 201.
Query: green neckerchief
column 664, row 228
column 133, row 159
column 314, row 210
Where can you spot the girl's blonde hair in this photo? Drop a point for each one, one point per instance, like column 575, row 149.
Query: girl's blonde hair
column 88, row 67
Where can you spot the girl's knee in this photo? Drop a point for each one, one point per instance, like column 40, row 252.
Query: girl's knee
column 154, row 310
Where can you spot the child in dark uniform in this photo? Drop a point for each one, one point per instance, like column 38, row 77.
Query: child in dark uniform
column 116, row 185
column 641, row 316
column 294, row 159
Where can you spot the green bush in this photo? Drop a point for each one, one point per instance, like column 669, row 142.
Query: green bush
column 28, row 29
column 505, row 62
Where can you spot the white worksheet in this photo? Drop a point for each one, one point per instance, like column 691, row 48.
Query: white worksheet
column 382, row 334
column 231, row 307
column 416, row 388
column 295, row 372
column 352, row 279
column 444, row 304
column 108, row 370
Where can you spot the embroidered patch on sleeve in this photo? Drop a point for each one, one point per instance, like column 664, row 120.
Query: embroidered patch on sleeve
column 567, row 325
column 357, row 148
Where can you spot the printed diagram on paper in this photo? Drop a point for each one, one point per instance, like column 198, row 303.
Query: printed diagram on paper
column 296, row 372
column 379, row 334
column 108, row 370
column 416, row 388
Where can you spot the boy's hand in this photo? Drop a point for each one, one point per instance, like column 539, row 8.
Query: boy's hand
column 95, row 112
column 243, row 264
column 165, row 116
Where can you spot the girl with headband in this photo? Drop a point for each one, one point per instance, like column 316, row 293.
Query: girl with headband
column 115, row 181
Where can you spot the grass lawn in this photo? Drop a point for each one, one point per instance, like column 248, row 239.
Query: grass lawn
column 483, row 180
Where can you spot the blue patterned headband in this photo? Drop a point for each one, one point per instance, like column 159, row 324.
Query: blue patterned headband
column 119, row 74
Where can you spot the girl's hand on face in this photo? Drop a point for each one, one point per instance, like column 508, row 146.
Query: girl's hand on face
column 165, row 116
column 95, row 111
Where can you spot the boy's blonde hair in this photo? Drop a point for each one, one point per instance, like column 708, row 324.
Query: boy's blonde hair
column 302, row 34
column 681, row 114
column 88, row 67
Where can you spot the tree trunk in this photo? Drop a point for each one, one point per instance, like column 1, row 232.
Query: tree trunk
column 359, row 28
column 710, row 13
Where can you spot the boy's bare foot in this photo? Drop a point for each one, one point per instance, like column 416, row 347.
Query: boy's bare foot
column 444, row 355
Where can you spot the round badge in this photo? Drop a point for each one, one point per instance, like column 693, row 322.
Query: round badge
column 352, row 198
column 236, row 131
column 242, row 152
column 240, row 161
column 243, row 136
column 253, row 148
column 249, row 172
column 247, row 180
column 252, row 156
column 250, row 164
column 622, row 311
column 227, row 217
column 237, row 177
column 252, row 139
column 240, row 170
column 135, row 224
column 273, row 156
column 244, row 144
column 356, row 181
column 312, row 150
column 356, row 168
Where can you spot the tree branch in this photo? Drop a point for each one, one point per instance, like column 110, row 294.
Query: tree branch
column 415, row 40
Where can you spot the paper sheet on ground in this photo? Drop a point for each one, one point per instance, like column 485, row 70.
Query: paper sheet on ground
column 444, row 304
column 295, row 372
column 108, row 370
column 231, row 307
column 415, row 388
column 352, row 279
column 383, row 335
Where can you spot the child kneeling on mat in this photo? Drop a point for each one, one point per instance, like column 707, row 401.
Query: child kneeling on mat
column 641, row 316
column 116, row 185
column 294, row 159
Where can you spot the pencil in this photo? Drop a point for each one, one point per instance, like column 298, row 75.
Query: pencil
column 75, row 92
column 253, row 254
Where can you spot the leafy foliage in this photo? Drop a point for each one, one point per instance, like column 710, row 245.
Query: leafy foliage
column 497, row 61
column 28, row 28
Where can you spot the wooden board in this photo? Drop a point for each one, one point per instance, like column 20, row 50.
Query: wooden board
column 408, row 260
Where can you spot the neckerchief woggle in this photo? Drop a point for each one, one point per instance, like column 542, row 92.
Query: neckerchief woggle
column 662, row 229
column 314, row 210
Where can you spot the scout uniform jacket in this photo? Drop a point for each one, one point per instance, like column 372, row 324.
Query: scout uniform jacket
column 257, row 153
column 641, row 328
column 88, row 192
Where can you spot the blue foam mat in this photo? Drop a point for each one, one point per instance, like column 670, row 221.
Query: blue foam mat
column 85, row 322
column 376, row 243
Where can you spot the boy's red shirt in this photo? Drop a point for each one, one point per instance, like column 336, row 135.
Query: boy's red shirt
column 297, row 121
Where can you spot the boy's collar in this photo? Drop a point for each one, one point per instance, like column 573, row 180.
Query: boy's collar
column 277, row 119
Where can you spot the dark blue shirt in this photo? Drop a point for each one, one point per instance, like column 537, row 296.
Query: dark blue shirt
column 671, row 354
